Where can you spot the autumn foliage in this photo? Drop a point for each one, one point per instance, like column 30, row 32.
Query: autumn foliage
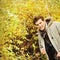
column 18, row 36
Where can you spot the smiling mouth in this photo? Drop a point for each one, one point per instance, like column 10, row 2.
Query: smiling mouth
column 41, row 27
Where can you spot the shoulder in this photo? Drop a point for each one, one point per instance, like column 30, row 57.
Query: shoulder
column 56, row 23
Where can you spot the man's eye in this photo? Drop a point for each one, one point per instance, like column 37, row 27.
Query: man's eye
column 40, row 22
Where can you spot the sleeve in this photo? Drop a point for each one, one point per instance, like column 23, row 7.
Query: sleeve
column 41, row 41
column 58, row 29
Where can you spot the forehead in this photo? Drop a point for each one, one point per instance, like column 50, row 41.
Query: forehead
column 38, row 21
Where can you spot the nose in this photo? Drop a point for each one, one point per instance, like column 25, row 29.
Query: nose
column 39, row 25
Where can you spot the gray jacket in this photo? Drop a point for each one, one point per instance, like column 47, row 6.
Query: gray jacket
column 53, row 31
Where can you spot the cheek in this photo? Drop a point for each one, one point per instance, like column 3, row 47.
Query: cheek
column 44, row 26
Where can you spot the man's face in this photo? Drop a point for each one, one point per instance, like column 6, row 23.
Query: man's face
column 40, row 24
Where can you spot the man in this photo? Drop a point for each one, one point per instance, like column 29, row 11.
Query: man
column 49, row 37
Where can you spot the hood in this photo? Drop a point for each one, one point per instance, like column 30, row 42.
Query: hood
column 49, row 21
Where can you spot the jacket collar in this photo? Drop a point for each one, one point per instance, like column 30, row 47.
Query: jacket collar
column 48, row 23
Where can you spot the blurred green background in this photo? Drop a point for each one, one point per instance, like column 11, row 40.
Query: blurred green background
column 18, row 36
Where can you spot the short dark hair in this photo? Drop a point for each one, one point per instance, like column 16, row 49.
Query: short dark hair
column 37, row 18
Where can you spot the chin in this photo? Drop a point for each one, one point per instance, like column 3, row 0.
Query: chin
column 42, row 29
